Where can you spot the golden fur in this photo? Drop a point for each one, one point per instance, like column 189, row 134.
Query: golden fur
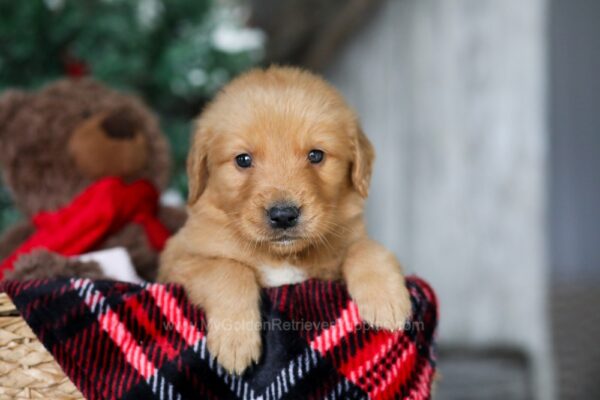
column 220, row 256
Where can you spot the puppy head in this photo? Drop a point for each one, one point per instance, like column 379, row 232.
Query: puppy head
column 283, row 156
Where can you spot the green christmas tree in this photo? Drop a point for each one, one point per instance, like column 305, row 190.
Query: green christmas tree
column 173, row 53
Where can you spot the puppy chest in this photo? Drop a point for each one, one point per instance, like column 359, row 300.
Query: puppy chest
column 277, row 275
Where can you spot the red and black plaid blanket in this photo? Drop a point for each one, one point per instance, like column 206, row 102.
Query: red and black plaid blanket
column 118, row 340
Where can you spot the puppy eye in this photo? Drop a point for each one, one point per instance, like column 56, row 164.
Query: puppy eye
column 315, row 156
column 243, row 160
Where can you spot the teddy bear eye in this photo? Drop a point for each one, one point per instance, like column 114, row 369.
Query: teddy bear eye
column 315, row 156
column 243, row 160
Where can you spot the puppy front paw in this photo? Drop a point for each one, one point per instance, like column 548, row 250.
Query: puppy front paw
column 235, row 343
column 383, row 307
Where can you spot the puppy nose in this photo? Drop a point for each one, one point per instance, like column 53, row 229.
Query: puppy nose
column 283, row 217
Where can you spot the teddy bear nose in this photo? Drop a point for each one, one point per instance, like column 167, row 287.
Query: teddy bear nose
column 119, row 125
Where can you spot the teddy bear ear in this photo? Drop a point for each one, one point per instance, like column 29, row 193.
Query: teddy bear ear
column 10, row 102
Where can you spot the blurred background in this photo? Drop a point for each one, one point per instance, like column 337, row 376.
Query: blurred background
column 485, row 115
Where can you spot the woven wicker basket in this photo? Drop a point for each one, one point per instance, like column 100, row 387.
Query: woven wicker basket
column 27, row 370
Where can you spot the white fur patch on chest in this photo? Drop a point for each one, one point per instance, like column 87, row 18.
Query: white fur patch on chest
column 284, row 274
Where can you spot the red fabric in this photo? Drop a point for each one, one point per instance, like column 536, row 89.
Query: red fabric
column 102, row 209
column 122, row 341
column 74, row 67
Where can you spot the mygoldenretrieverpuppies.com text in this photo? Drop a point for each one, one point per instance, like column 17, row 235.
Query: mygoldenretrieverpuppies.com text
column 278, row 324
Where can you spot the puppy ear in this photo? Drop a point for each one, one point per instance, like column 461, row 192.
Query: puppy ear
column 197, row 167
column 362, row 163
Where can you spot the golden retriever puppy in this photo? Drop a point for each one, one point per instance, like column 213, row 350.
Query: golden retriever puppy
column 278, row 172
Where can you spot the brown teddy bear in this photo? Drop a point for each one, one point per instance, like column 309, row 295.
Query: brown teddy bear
column 84, row 164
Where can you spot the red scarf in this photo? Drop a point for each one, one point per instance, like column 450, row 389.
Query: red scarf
column 102, row 209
